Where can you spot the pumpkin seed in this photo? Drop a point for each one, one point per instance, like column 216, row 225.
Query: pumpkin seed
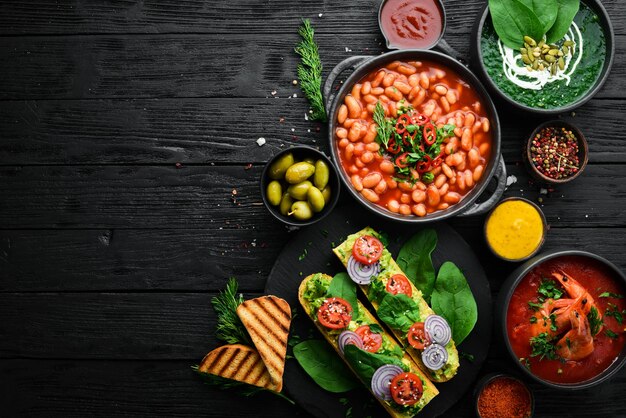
column 541, row 67
column 525, row 59
column 531, row 57
column 568, row 43
column 536, row 65
column 549, row 58
column 560, row 53
column 553, row 69
column 565, row 50
column 530, row 41
column 541, row 44
column 561, row 63
column 536, row 54
column 554, row 52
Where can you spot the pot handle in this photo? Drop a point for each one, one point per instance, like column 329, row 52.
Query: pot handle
column 487, row 205
column 350, row 62
column 445, row 47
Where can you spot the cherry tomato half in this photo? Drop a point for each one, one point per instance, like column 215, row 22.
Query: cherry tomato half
column 401, row 161
column 335, row 313
column 371, row 340
column 429, row 133
column 398, row 283
column 406, row 389
column 367, row 249
column 417, row 336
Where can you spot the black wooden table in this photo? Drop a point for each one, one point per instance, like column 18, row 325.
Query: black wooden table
column 129, row 192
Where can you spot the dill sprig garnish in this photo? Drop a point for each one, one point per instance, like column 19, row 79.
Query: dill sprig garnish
column 229, row 326
column 310, row 71
column 243, row 388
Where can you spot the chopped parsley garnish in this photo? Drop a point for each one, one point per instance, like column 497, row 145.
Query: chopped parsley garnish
column 303, row 255
column 543, row 347
column 595, row 321
column 533, row 319
column 549, row 289
column 611, row 295
column 614, row 311
column 534, row 305
column 611, row 334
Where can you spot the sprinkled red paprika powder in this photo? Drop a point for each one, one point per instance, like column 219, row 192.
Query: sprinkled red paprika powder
column 504, row 397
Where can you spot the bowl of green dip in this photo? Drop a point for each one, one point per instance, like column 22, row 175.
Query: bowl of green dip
column 586, row 67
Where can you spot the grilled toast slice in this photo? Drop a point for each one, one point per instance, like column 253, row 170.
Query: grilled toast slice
column 267, row 320
column 237, row 362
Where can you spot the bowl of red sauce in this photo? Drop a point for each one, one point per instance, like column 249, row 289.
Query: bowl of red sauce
column 563, row 319
column 412, row 24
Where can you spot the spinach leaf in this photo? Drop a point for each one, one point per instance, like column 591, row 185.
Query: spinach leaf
column 546, row 11
column 324, row 366
column 453, row 299
column 365, row 363
column 415, row 260
column 341, row 286
column 398, row 311
column 513, row 20
column 376, row 291
column 564, row 19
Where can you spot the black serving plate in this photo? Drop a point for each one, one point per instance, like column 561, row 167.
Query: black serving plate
column 310, row 251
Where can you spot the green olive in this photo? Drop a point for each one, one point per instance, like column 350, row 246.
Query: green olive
column 309, row 160
column 274, row 192
column 280, row 166
column 299, row 191
column 285, row 204
column 316, row 199
column 320, row 178
column 326, row 194
column 301, row 211
column 299, row 172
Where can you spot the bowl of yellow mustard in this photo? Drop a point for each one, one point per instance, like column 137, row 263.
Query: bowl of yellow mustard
column 515, row 229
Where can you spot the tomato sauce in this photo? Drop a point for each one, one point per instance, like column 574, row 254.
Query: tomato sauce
column 597, row 279
column 419, row 84
column 411, row 23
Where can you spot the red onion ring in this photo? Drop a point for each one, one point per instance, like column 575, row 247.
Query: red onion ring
column 381, row 380
column 362, row 273
column 434, row 356
column 438, row 329
column 349, row 337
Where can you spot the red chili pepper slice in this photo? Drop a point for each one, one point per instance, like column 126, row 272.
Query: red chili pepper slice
column 429, row 133
column 436, row 162
column 407, row 138
column 392, row 147
column 424, row 164
column 402, row 122
column 401, row 160
column 421, row 119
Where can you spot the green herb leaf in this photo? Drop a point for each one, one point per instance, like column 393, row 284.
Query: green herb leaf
column 564, row 19
column 614, row 312
column 376, row 291
column 611, row 295
column 365, row 363
column 375, row 328
column 310, row 71
column 398, row 311
column 324, row 366
column 341, row 286
column 535, row 306
column 595, row 321
column 550, row 289
column 452, row 298
column 415, row 260
column 543, row 347
column 513, row 20
column 229, row 327
column 384, row 126
column 546, row 11
column 611, row 334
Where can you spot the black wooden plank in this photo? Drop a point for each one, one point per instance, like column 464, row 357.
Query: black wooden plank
column 218, row 16
column 201, row 197
column 149, row 131
column 156, row 388
column 123, row 388
column 184, row 65
column 132, row 260
column 111, row 260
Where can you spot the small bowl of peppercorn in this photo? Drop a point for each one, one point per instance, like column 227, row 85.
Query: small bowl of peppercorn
column 556, row 153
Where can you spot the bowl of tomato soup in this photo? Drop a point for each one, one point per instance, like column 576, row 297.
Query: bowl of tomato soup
column 563, row 318
column 415, row 136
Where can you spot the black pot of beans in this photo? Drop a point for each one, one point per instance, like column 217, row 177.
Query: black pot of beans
column 414, row 136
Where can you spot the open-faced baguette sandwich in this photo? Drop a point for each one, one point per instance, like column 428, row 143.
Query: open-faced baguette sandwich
column 372, row 354
column 426, row 337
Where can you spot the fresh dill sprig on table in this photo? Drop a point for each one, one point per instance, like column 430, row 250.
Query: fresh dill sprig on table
column 229, row 326
column 310, row 71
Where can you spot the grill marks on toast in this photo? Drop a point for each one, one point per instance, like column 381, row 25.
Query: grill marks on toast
column 267, row 320
column 237, row 362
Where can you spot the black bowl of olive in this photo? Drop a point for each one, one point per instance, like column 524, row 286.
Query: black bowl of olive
column 300, row 186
